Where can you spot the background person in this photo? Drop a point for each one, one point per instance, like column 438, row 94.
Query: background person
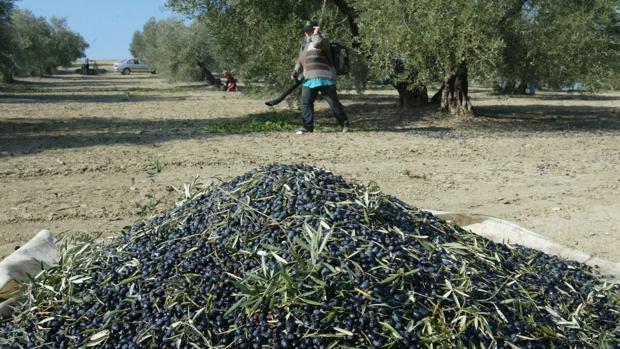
column 231, row 82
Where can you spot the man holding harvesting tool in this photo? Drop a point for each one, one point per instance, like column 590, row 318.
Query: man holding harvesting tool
column 319, row 75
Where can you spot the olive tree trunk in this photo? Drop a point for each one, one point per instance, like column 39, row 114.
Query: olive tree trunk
column 521, row 88
column 454, row 97
column 411, row 96
column 208, row 76
column 212, row 80
column 513, row 87
column 436, row 99
column 8, row 78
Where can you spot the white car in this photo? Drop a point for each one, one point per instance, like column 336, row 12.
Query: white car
column 128, row 66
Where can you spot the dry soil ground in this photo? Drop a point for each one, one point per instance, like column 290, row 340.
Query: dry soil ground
column 94, row 154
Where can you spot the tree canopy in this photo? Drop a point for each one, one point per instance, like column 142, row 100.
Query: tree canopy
column 174, row 49
column 6, row 40
column 31, row 45
column 418, row 44
column 556, row 42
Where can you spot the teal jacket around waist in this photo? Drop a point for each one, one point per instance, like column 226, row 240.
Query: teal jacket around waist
column 319, row 82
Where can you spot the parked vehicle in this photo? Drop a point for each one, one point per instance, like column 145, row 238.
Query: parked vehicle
column 132, row 65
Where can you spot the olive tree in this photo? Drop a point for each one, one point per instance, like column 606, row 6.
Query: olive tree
column 261, row 39
column 556, row 42
column 144, row 43
column 137, row 46
column 421, row 42
column 415, row 43
column 7, row 43
column 33, row 37
column 66, row 45
column 175, row 50
column 426, row 42
column 39, row 46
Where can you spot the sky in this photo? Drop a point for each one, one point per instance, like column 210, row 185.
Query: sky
column 106, row 25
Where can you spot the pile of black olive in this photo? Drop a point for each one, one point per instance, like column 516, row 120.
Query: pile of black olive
column 291, row 256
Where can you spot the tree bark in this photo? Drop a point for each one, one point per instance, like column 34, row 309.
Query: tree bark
column 436, row 99
column 8, row 75
column 455, row 94
column 411, row 96
column 351, row 15
column 509, row 87
column 208, row 76
column 521, row 88
column 212, row 80
column 512, row 87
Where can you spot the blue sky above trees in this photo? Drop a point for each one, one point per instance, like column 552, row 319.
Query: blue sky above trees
column 106, row 25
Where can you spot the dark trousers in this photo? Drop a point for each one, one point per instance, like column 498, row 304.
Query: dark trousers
column 308, row 95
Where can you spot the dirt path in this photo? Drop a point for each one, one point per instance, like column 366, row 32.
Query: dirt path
column 75, row 158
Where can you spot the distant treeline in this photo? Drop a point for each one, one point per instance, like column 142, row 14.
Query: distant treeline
column 31, row 45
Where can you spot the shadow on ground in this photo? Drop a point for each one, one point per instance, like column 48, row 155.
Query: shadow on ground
column 40, row 90
column 567, row 96
column 84, row 98
column 540, row 117
column 20, row 136
column 368, row 112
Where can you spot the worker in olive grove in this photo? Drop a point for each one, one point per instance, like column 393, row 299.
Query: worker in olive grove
column 231, row 82
column 85, row 66
column 319, row 76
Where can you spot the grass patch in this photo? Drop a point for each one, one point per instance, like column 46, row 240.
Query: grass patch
column 262, row 122
column 18, row 87
column 263, row 92
column 276, row 121
column 180, row 88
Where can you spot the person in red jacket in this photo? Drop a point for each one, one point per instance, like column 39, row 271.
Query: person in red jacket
column 231, row 82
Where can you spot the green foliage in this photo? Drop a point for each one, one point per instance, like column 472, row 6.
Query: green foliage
column 138, row 45
column 265, row 122
column 429, row 38
column 66, row 46
column 550, row 41
column 556, row 42
column 278, row 121
column 6, row 7
column 33, row 36
column 261, row 39
column 255, row 37
column 34, row 45
column 358, row 75
column 7, row 44
column 177, row 51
